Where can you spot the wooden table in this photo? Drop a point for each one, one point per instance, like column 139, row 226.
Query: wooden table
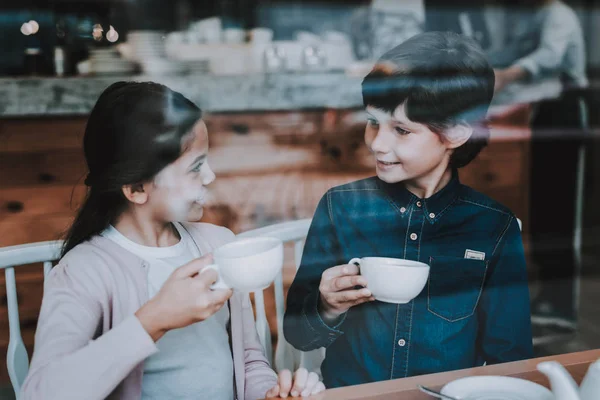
column 406, row 388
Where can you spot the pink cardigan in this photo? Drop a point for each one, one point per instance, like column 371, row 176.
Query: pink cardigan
column 89, row 344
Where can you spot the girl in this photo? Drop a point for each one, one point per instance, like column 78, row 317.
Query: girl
column 128, row 312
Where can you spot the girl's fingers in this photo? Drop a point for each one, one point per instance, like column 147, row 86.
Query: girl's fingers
column 273, row 392
column 311, row 382
column 300, row 378
column 319, row 387
column 285, row 382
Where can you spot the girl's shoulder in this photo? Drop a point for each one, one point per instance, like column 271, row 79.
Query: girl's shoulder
column 91, row 267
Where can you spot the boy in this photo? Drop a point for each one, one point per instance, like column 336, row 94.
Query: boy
column 426, row 102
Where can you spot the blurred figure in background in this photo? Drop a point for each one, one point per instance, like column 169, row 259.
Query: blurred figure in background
column 545, row 39
column 539, row 42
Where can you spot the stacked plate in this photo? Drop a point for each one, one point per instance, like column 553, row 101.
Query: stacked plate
column 146, row 45
column 162, row 66
column 108, row 61
column 198, row 67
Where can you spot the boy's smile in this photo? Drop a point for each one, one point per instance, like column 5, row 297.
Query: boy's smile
column 385, row 165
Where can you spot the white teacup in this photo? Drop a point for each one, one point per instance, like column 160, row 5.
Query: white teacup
column 261, row 35
column 249, row 264
column 234, row 35
column 393, row 280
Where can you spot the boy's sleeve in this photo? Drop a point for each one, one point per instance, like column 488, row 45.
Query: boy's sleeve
column 504, row 312
column 303, row 326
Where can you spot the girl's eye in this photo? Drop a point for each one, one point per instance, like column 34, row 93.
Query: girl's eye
column 197, row 168
column 401, row 131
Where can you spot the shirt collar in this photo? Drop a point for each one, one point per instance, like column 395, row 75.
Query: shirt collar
column 433, row 207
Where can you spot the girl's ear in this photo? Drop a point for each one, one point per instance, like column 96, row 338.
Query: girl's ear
column 135, row 193
column 457, row 135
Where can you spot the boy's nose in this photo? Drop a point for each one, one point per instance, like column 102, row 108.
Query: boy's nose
column 378, row 145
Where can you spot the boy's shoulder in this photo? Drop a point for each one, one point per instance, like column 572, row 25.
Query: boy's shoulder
column 361, row 184
column 475, row 198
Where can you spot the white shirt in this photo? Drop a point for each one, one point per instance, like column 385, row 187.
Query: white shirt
column 548, row 41
column 192, row 362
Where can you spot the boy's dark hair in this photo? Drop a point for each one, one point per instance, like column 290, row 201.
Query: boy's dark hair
column 444, row 79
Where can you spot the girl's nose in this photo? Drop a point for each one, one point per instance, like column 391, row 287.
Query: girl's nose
column 208, row 176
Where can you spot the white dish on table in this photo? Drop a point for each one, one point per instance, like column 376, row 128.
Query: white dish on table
column 496, row 388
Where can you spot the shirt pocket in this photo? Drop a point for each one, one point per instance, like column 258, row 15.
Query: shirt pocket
column 454, row 286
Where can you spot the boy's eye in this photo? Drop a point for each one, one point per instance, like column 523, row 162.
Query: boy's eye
column 372, row 122
column 401, row 131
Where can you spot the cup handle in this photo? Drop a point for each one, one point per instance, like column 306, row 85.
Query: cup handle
column 219, row 284
column 355, row 261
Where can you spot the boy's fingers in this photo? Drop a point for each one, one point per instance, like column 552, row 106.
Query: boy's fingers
column 340, row 270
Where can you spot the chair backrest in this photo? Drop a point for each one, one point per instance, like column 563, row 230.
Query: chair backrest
column 17, row 360
column 286, row 356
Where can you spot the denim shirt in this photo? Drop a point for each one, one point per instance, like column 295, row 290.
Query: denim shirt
column 471, row 311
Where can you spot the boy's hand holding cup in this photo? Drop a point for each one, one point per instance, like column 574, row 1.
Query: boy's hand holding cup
column 342, row 288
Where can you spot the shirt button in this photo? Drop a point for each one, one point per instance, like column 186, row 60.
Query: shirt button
column 401, row 342
column 413, row 236
column 431, row 215
column 403, row 209
column 418, row 204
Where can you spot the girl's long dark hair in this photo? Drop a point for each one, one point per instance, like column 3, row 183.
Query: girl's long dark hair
column 133, row 132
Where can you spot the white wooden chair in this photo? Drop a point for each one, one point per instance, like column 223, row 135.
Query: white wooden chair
column 286, row 356
column 17, row 360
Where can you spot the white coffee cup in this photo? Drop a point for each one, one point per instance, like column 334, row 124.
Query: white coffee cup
column 234, row 35
column 393, row 280
column 261, row 35
column 248, row 265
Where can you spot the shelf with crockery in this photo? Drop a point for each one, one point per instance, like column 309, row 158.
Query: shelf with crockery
column 75, row 96
column 222, row 70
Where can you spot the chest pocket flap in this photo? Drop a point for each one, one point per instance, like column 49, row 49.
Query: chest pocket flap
column 455, row 286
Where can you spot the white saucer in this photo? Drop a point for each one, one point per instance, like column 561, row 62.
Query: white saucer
column 496, row 388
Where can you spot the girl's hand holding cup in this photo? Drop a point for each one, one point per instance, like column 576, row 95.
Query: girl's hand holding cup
column 184, row 299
